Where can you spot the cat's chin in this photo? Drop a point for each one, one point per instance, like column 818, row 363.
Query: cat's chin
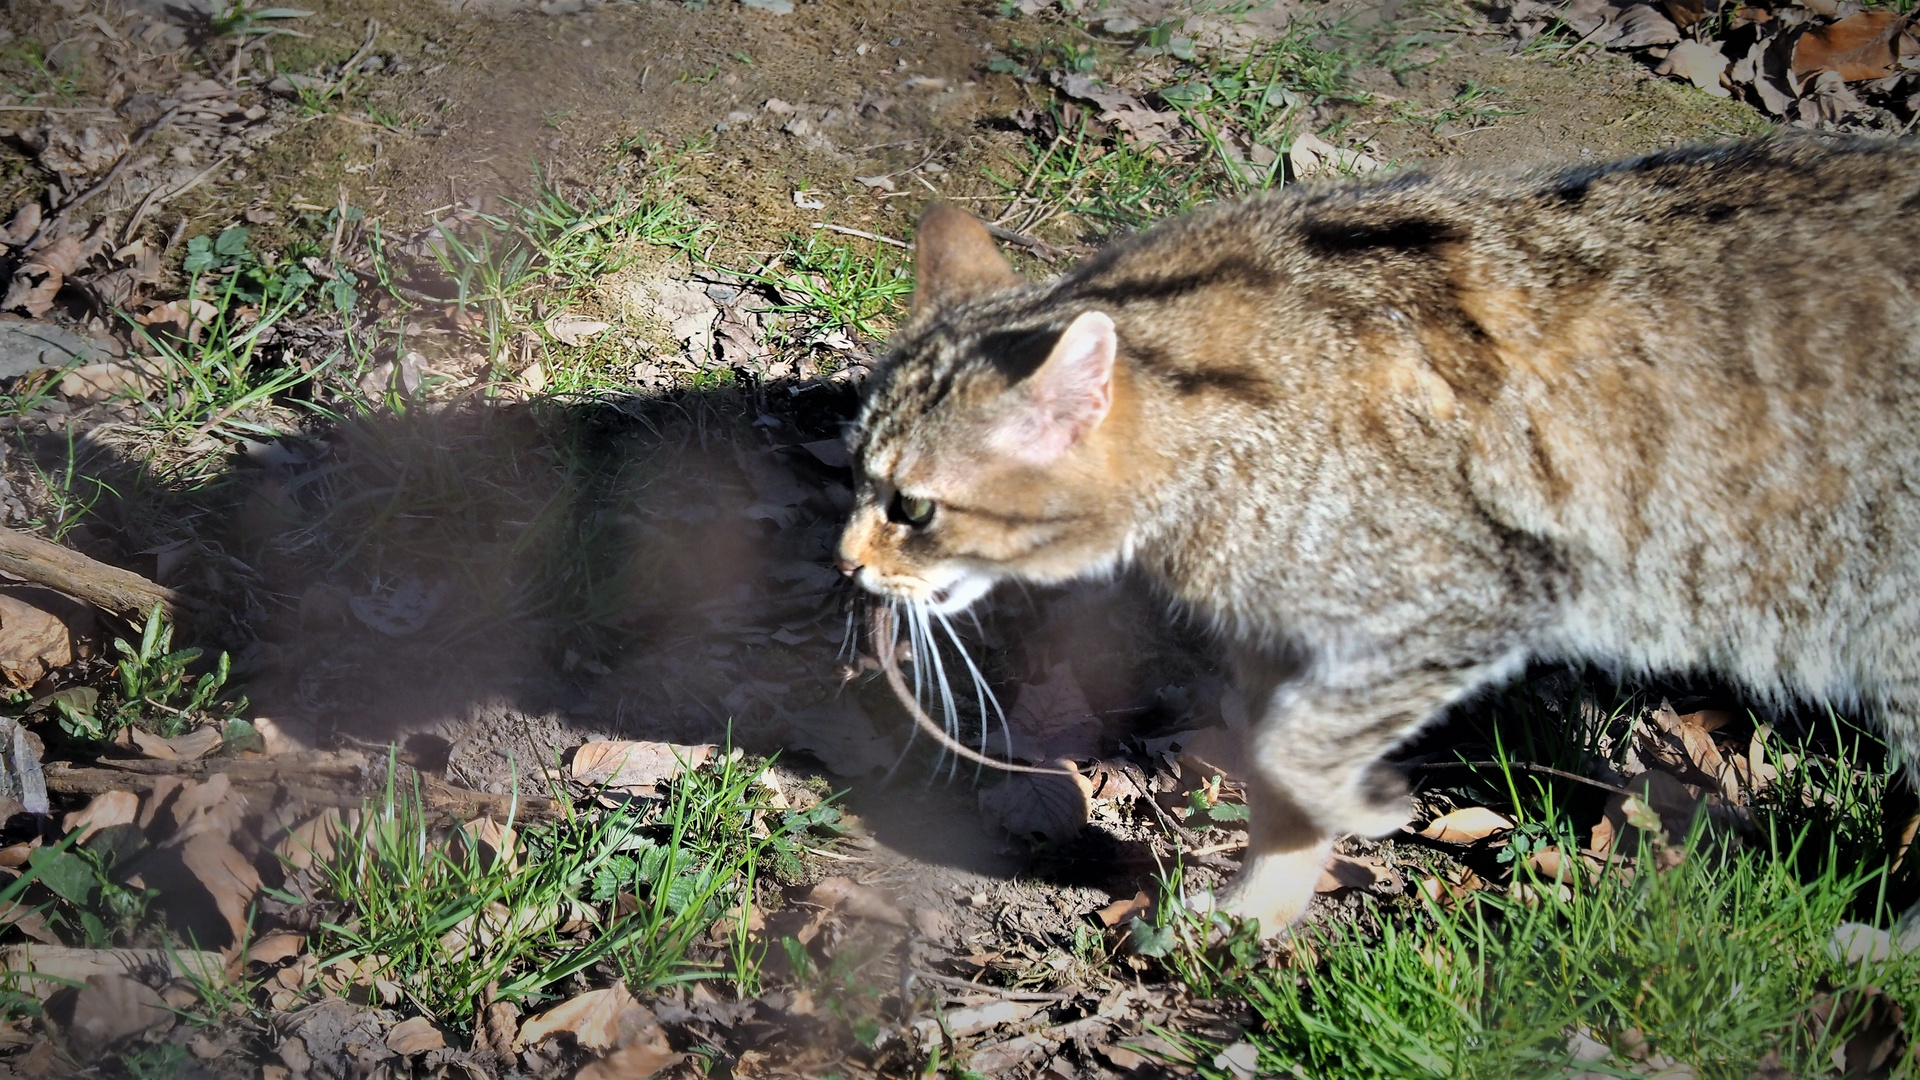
column 957, row 595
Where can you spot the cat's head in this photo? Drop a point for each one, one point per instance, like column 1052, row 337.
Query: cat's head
column 989, row 444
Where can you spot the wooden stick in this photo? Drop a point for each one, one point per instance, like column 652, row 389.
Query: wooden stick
column 110, row 588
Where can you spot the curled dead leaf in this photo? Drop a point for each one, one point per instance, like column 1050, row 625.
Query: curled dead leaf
column 1857, row 47
column 1050, row 806
column 1347, row 872
column 594, row 1019
column 574, row 331
column 104, row 811
column 1121, row 911
column 1466, row 825
column 639, row 767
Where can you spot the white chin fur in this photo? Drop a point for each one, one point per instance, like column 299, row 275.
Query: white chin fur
column 957, row 594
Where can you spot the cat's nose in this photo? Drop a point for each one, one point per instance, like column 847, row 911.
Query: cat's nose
column 847, row 566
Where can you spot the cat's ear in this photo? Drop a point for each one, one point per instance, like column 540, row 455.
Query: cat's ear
column 955, row 260
column 1066, row 397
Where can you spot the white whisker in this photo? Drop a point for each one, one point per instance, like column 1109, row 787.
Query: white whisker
column 985, row 692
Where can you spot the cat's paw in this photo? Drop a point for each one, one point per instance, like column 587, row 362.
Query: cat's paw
column 1379, row 818
column 1273, row 887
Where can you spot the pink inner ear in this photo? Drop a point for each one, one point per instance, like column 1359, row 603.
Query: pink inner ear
column 1066, row 397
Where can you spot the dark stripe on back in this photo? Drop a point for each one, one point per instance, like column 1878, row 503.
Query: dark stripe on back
column 1338, row 238
column 1239, row 270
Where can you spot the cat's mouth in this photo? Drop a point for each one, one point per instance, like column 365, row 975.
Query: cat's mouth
column 942, row 592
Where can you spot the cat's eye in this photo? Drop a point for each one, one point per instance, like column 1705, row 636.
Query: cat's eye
column 911, row 510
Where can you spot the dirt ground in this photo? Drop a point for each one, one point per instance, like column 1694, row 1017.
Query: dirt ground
column 369, row 574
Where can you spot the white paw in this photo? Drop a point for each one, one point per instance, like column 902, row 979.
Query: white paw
column 1275, row 887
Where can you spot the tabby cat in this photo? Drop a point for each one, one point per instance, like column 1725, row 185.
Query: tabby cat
column 1392, row 441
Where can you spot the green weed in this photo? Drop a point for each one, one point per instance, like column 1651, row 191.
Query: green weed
column 218, row 373
column 829, row 287
column 631, row 892
column 154, row 690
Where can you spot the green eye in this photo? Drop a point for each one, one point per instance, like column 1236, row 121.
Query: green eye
column 910, row 510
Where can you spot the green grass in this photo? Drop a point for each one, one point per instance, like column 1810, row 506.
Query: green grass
column 1716, row 961
column 831, row 287
column 626, row 893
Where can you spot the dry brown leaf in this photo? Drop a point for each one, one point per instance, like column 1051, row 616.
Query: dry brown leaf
column 842, row 736
column 103, row 811
column 277, row 946
column 32, row 643
column 414, row 1036
column 227, row 876
column 38, row 280
column 1877, row 1023
column 573, row 330
column 21, row 227
column 496, row 839
column 593, row 1019
column 1051, row 719
column 112, row 1009
column 852, row 898
column 1466, row 825
column 638, row 767
column 1122, row 910
column 1858, row 47
column 211, row 807
column 1347, row 872
column 192, row 746
column 1050, row 806
column 1699, row 64
column 646, row 1053
column 317, row 838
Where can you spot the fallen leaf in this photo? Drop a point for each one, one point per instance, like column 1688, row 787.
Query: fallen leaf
column 842, row 736
column 316, row 839
column 1122, row 910
column 592, row 1018
column 639, row 1060
column 112, row 1009
column 1052, row 807
column 1466, row 825
column 972, row 1020
column 414, row 1036
column 498, row 840
column 534, row 378
column 226, row 875
column 1640, row 26
column 1310, row 155
column 1214, row 751
column 806, row 200
column 1876, row 1023
column 1242, row 1059
column 1858, row 47
column 877, row 183
column 852, row 898
column 103, row 811
column 639, row 767
column 1347, row 872
column 1700, row 64
column 573, row 330
column 1051, row 719
column 24, row 223
column 277, row 946
column 32, row 643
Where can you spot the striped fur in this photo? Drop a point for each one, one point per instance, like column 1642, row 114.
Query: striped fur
column 1395, row 440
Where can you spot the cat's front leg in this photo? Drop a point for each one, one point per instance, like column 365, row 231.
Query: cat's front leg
column 1315, row 774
